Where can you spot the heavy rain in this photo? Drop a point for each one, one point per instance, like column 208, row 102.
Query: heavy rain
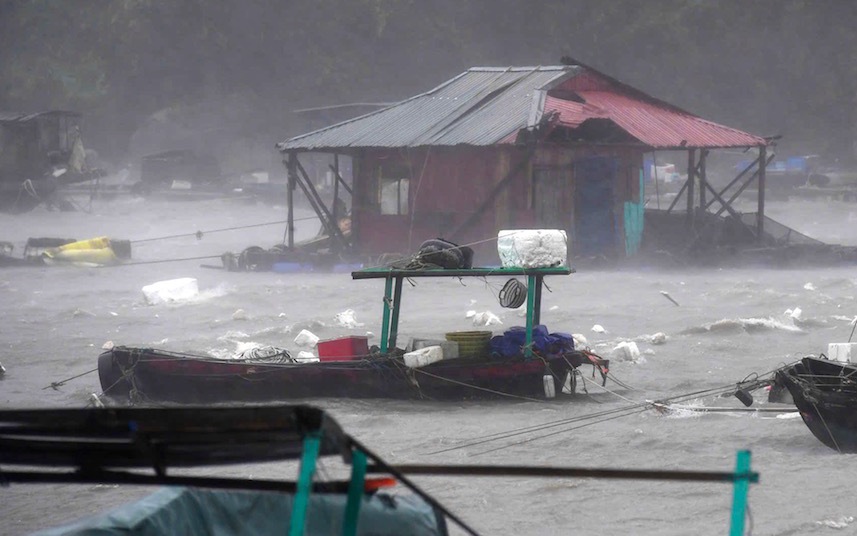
column 359, row 205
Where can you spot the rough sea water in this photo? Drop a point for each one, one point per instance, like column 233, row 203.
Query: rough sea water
column 728, row 325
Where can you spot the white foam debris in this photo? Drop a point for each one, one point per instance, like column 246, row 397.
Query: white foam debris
column 2, row 369
column 96, row 400
column 809, row 286
column 281, row 315
column 486, row 318
column 648, row 351
column 306, row 357
column 172, row 290
column 82, row 312
column 840, row 523
column 470, row 314
column 598, row 328
column 794, row 313
column 627, row 351
column 107, row 345
column 658, row 338
column 347, row 319
column 370, row 335
column 554, row 308
column 579, row 340
column 240, row 314
column 306, row 339
column 472, row 302
column 112, row 313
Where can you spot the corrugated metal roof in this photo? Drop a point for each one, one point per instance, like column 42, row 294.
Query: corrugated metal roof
column 21, row 116
column 489, row 105
column 481, row 106
column 653, row 124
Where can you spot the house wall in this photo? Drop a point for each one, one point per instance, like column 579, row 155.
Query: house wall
column 447, row 185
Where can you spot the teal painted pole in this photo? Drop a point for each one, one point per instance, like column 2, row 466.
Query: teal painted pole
column 312, row 445
column 355, row 493
column 739, row 497
column 385, row 319
column 531, row 299
column 397, row 305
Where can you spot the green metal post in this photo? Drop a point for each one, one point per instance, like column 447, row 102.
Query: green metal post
column 397, row 303
column 537, row 304
column 739, row 497
column 312, row 445
column 531, row 299
column 355, row 493
column 385, row 318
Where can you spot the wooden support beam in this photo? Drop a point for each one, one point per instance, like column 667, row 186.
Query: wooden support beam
column 677, row 197
column 290, row 191
column 733, row 182
column 340, row 179
column 691, row 168
column 760, row 213
column 336, row 189
column 700, row 172
column 319, row 207
column 744, row 186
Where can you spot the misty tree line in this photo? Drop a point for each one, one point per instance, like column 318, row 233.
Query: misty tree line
column 768, row 66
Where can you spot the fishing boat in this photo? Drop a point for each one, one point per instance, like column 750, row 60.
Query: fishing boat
column 825, row 393
column 168, row 446
column 524, row 362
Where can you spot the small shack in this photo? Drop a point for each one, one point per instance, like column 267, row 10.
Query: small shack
column 511, row 147
column 33, row 146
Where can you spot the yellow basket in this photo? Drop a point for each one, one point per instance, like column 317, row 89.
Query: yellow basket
column 471, row 343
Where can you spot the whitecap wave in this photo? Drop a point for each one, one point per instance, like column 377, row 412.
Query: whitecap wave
column 749, row 325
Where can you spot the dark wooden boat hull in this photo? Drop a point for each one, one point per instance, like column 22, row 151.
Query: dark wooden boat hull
column 825, row 394
column 142, row 375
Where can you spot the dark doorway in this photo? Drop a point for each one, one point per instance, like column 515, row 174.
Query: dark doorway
column 594, row 223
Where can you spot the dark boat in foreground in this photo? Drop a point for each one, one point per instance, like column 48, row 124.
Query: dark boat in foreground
column 825, row 393
column 167, row 446
column 539, row 364
column 143, row 446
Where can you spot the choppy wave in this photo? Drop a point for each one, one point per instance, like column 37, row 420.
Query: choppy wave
column 748, row 325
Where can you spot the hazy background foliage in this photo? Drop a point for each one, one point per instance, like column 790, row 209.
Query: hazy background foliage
column 151, row 74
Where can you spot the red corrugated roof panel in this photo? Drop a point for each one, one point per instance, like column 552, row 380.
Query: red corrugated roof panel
column 653, row 124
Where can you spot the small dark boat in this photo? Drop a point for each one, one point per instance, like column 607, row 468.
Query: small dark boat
column 825, row 393
column 532, row 369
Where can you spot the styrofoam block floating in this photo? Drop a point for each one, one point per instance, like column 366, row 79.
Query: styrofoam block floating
column 171, row 290
column 306, row 339
column 423, row 356
column 532, row 248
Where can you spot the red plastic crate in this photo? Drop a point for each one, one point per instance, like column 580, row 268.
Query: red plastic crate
column 343, row 349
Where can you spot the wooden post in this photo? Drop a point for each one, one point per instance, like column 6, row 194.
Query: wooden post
column 691, row 168
column 336, row 216
column 760, row 212
column 702, row 177
column 290, row 194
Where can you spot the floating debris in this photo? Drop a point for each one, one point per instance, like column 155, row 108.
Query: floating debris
column 666, row 295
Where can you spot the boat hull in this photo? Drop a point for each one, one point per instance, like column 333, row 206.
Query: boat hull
column 825, row 394
column 142, row 375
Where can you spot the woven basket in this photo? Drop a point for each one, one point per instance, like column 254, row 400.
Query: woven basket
column 471, row 343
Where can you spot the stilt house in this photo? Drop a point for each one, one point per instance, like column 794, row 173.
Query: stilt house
column 513, row 147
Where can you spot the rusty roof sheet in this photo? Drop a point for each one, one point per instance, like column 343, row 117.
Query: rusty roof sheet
column 653, row 124
column 489, row 105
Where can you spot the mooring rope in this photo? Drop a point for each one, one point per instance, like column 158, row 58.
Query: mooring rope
column 200, row 234
column 456, row 382
column 55, row 385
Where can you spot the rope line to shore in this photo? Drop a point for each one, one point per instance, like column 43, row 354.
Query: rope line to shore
column 200, row 234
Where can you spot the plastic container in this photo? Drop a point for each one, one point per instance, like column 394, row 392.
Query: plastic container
column 471, row 343
column 343, row 349
column 450, row 348
column 842, row 351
